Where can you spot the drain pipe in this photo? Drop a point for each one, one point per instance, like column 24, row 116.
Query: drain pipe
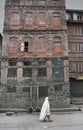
column 37, row 108
column 30, row 108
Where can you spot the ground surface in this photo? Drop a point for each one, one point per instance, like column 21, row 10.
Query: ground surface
column 24, row 121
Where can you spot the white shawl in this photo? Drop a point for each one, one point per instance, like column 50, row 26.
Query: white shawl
column 45, row 110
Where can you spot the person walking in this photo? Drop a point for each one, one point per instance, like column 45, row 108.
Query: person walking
column 45, row 111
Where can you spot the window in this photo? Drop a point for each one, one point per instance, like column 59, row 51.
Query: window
column 28, row 18
column 72, row 66
column 74, row 16
column 26, row 63
column 12, row 63
column 79, row 66
column 42, row 18
column 78, row 17
column 76, row 66
column 14, row 19
column 56, row 19
column 69, row 30
column 42, row 72
column 57, row 47
column 26, row 89
column 27, row 72
column 11, row 89
column 13, row 45
column 58, row 88
column 79, row 47
column 57, row 73
column 78, row 30
column 28, row 44
column 42, row 43
column 57, row 41
column 12, row 70
column 69, row 16
column 43, row 91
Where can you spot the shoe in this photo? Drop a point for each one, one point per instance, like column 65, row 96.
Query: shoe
column 44, row 120
column 50, row 120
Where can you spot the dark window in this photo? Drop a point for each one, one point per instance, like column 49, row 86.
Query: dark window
column 11, row 89
column 42, row 72
column 26, row 47
column 27, row 44
column 79, row 17
column 12, row 72
column 27, row 72
column 43, row 91
column 70, row 16
column 58, row 88
column 26, row 63
column 12, row 63
column 26, row 89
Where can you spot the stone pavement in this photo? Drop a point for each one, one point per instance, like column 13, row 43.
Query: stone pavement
column 25, row 121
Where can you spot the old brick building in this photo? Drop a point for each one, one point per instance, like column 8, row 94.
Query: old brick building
column 34, row 54
column 75, row 51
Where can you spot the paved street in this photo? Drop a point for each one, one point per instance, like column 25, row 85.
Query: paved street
column 24, row 121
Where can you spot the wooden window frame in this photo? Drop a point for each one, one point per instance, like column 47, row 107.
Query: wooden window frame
column 15, row 19
column 13, row 45
column 29, row 18
column 57, row 46
column 42, row 19
column 56, row 20
column 41, row 44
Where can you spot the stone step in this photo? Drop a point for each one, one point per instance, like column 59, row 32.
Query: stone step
column 10, row 110
column 78, row 103
column 65, row 109
column 69, row 109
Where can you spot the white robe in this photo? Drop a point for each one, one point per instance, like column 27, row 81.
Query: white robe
column 45, row 110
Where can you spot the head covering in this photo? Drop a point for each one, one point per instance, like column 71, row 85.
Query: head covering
column 45, row 110
column 46, row 99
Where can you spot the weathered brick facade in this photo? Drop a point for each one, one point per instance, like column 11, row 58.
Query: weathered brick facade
column 75, row 52
column 35, row 54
